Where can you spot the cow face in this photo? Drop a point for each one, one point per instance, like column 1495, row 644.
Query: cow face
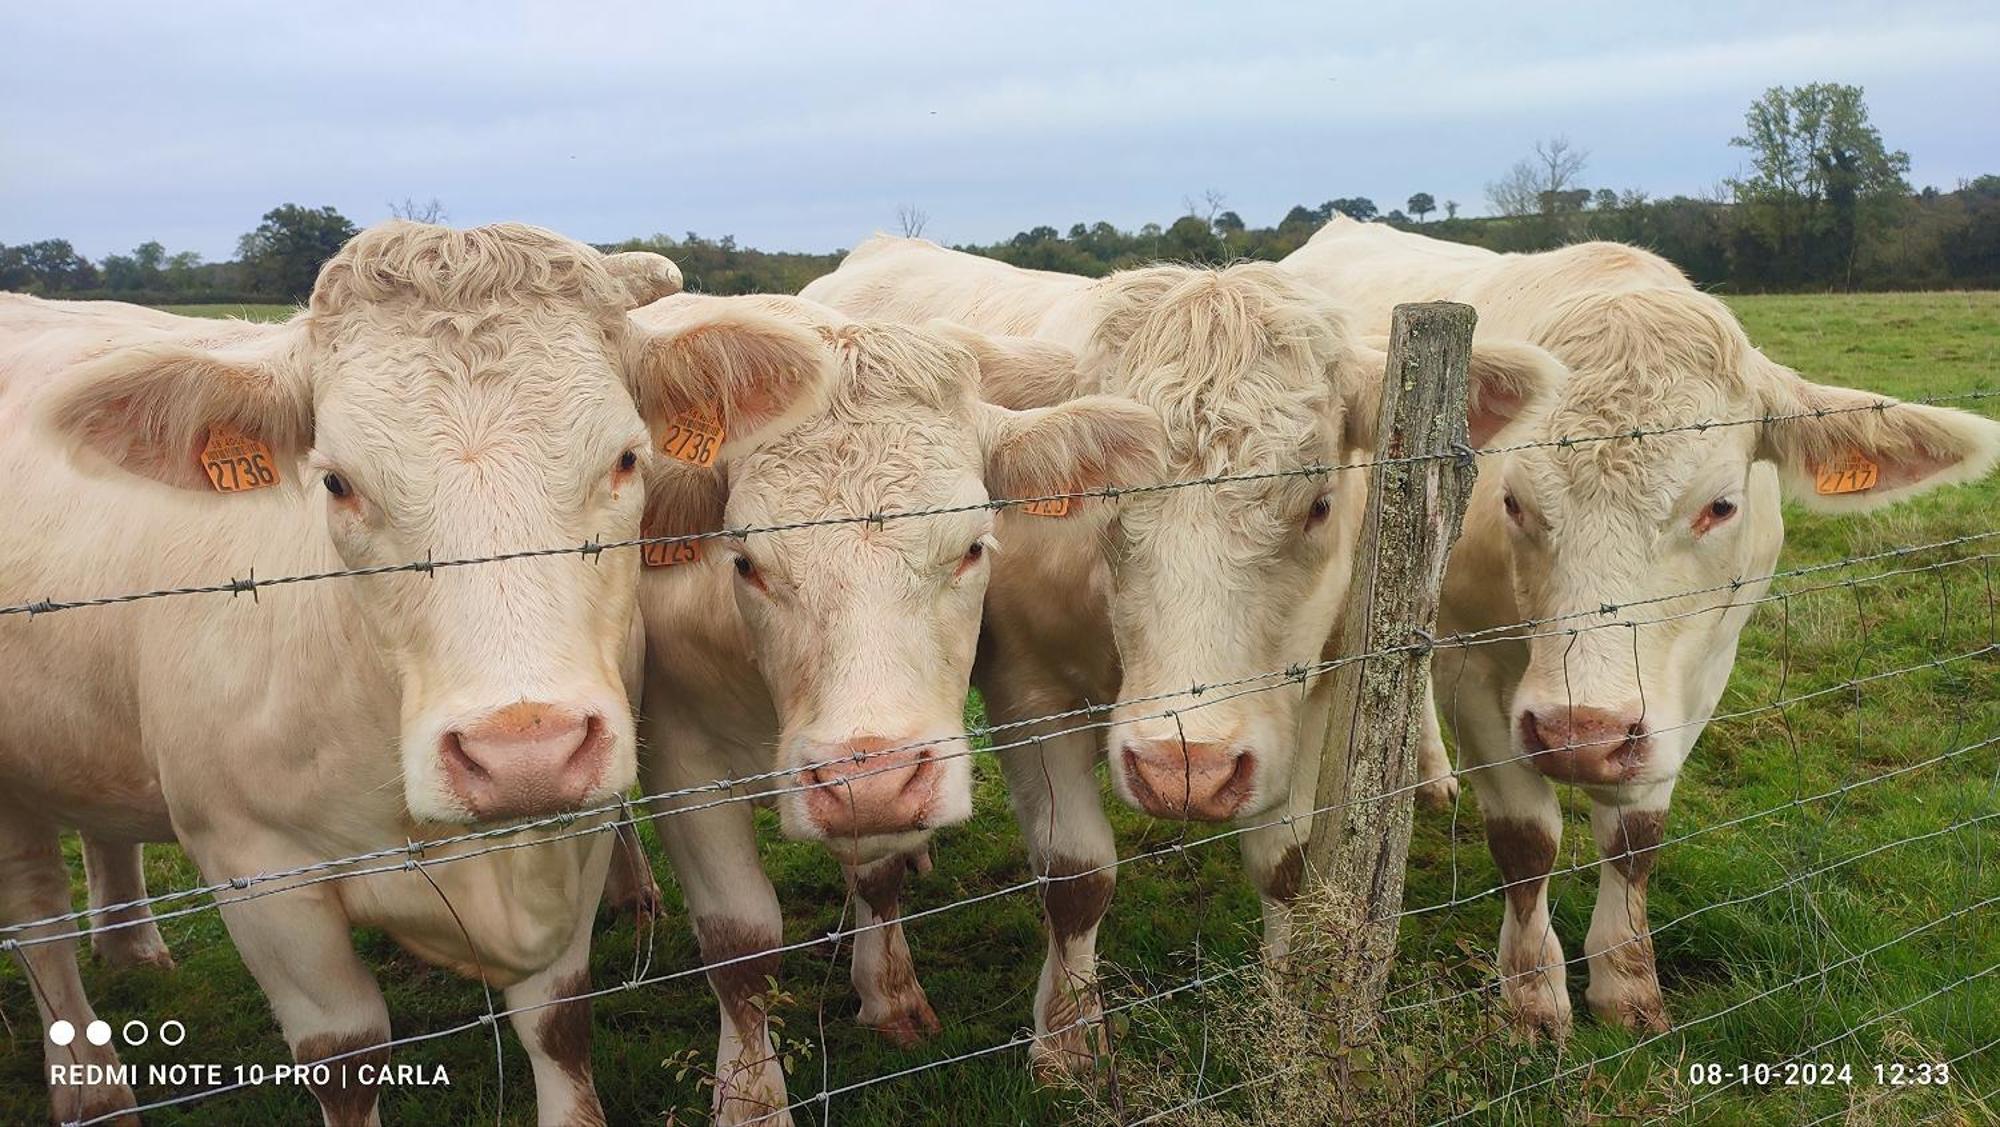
column 454, row 394
column 1632, row 523
column 1252, row 372
column 865, row 631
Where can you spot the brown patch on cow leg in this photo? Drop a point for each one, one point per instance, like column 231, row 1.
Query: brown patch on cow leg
column 1525, row 853
column 1283, row 883
column 880, row 885
column 1075, row 894
column 742, row 982
column 344, row 1097
column 1635, row 844
column 565, row 1028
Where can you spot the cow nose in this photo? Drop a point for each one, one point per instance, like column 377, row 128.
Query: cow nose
column 527, row 758
column 870, row 785
column 1579, row 744
column 1202, row 782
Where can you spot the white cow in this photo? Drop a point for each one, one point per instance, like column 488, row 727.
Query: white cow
column 1250, row 372
column 835, row 658
column 1561, row 532
column 448, row 393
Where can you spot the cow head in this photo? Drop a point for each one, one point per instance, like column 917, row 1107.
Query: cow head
column 1252, row 372
column 452, row 394
column 865, row 631
column 1633, row 522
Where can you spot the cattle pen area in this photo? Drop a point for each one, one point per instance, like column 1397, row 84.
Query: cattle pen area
column 1824, row 908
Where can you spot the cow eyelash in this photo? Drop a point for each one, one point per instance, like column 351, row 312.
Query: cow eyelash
column 1714, row 513
column 335, row 485
column 1321, row 508
column 628, row 461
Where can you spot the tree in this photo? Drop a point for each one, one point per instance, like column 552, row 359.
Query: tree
column 1604, row 199
column 1537, row 184
column 430, row 211
column 1451, row 209
column 48, row 266
column 1358, row 208
column 284, row 254
column 1819, row 175
column 911, row 220
column 1396, row 216
column 1229, row 223
column 1299, row 216
column 1422, row 204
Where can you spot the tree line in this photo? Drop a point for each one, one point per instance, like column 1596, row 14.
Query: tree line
column 1824, row 205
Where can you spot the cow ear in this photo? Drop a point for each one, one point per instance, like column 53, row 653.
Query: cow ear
column 644, row 276
column 1358, row 380
column 1016, row 372
column 683, row 499
column 1504, row 381
column 1094, row 442
column 1841, row 450
column 741, row 373
column 152, row 410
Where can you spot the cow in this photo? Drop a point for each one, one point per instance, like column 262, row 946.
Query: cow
column 1256, row 378
column 1560, row 532
column 446, row 394
column 829, row 662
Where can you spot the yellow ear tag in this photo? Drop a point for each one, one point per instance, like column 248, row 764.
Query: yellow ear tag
column 1048, row 507
column 694, row 436
column 671, row 553
column 1852, row 474
column 237, row 463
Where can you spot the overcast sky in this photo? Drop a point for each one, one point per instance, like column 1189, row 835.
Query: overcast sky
column 803, row 126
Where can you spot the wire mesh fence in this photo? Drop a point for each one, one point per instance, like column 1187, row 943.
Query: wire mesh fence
column 1877, row 678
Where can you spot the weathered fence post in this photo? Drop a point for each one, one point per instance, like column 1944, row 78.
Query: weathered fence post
column 1358, row 847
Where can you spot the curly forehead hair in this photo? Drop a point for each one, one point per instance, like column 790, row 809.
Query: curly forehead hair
column 445, row 268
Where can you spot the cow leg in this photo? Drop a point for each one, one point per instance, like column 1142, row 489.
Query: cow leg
column 34, row 883
column 1053, row 787
column 1437, row 786
column 298, row 946
column 736, row 920
column 1275, row 856
column 631, row 889
column 1523, row 828
column 1624, row 982
column 552, row 1018
column 892, row 1000
column 115, row 873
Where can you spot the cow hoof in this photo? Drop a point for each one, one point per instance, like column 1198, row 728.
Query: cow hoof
column 1438, row 794
column 122, row 954
column 1535, row 1018
column 1062, row 1060
column 641, row 903
column 908, row 1023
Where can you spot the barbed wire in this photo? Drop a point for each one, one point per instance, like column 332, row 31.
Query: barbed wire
column 250, row 584
column 1269, row 680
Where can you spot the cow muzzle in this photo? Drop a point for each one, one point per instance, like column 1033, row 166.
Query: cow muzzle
column 1577, row 744
column 527, row 759
column 871, row 785
column 1198, row 782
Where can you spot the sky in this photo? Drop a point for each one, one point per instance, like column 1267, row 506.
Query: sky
column 805, row 126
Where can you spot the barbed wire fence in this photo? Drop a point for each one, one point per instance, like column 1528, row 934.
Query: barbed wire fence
column 1219, row 1083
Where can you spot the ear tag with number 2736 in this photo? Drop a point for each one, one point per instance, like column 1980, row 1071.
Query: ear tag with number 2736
column 236, row 462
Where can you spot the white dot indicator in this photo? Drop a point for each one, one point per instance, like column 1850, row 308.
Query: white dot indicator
column 62, row 1032
column 98, row 1032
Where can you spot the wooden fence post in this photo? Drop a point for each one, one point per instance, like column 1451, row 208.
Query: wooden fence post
column 1357, row 850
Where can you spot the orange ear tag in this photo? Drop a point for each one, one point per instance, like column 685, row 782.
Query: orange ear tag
column 671, row 553
column 1048, row 507
column 237, row 463
column 694, row 436
column 1852, row 474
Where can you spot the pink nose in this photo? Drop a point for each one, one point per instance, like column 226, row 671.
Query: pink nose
column 862, row 787
column 1585, row 745
column 525, row 759
column 1200, row 782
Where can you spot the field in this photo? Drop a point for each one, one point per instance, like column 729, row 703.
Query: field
column 247, row 312
column 1746, row 915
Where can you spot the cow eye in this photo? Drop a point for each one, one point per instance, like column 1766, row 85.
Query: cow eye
column 335, row 484
column 975, row 552
column 1322, row 507
column 628, row 461
column 1721, row 509
column 1513, row 507
column 744, row 567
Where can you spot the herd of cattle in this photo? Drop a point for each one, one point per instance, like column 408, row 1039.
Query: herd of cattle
column 456, row 393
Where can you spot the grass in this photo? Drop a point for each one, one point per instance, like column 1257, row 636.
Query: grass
column 246, row 312
column 1718, row 957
